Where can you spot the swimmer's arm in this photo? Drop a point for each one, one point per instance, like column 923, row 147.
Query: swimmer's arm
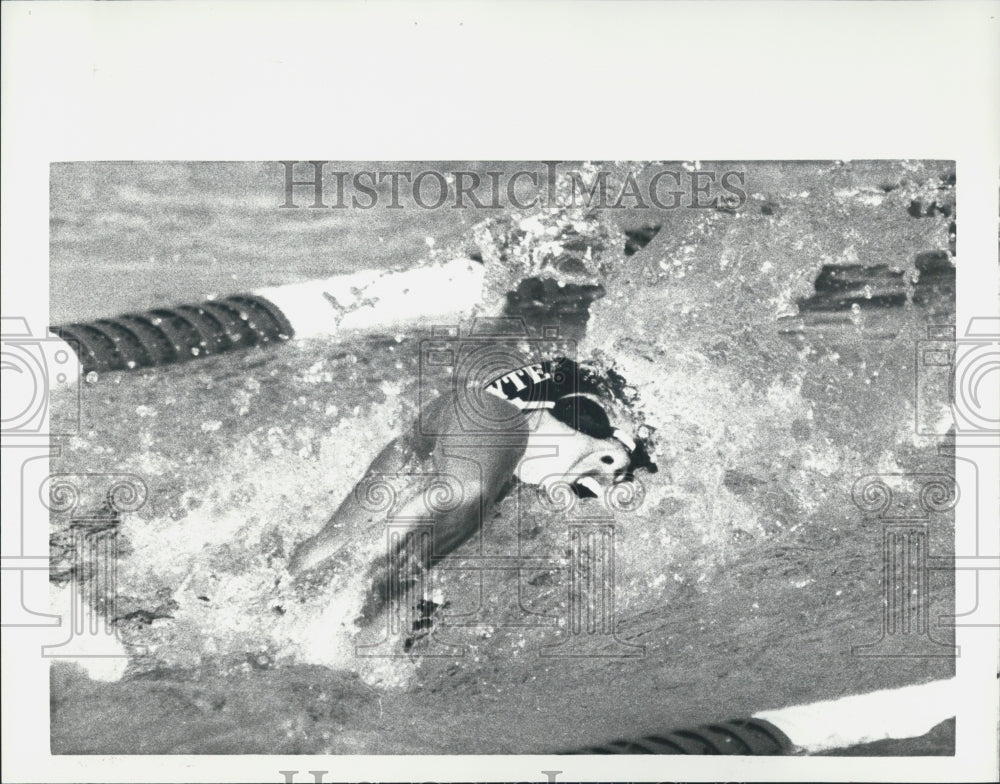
column 393, row 459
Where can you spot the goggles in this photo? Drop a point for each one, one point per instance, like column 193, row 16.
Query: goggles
column 553, row 386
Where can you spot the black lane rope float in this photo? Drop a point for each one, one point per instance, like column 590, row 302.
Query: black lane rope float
column 904, row 712
column 176, row 334
column 746, row 737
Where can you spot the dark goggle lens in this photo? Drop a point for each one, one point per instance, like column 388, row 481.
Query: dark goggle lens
column 583, row 414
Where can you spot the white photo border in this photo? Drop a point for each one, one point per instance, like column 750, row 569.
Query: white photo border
column 695, row 81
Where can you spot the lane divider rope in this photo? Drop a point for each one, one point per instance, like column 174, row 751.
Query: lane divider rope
column 906, row 712
column 363, row 302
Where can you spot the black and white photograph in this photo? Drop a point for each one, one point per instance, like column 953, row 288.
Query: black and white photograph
column 632, row 434
column 578, row 464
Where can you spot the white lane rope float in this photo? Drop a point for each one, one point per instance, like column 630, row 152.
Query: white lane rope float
column 360, row 303
column 906, row 712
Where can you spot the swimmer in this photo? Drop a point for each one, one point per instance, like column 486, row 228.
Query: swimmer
column 541, row 423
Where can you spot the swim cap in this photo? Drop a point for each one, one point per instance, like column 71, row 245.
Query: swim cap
column 572, row 394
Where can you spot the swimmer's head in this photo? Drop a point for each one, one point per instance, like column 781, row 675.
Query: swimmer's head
column 556, row 452
column 571, row 434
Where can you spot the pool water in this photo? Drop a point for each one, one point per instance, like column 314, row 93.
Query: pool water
column 742, row 571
